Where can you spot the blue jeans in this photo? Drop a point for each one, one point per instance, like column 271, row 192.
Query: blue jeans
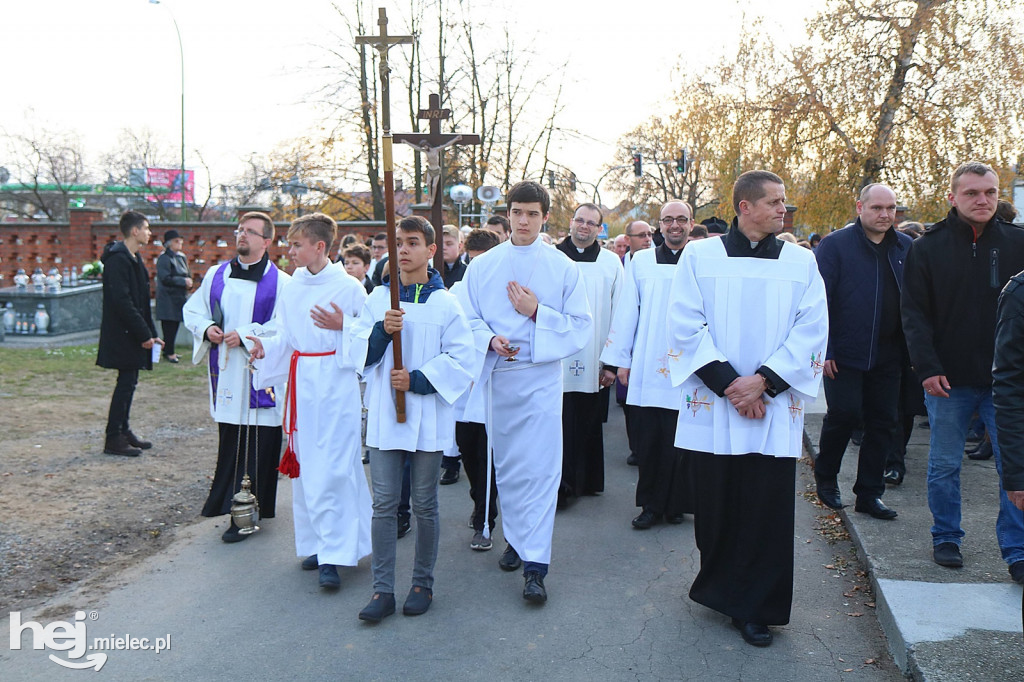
column 386, row 469
column 950, row 418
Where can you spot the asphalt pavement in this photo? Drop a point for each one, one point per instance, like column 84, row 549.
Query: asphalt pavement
column 617, row 609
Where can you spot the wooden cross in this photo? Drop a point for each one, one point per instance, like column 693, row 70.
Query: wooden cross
column 382, row 43
column 431, row 144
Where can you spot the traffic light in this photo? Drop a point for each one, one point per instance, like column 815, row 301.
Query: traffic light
column 638, row 164
column 551, row 179
column 681, row 161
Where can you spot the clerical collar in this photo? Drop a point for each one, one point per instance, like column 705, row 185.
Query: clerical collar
column 666, row 256
column 737, row 245
column 252, row 272
column 586, row 255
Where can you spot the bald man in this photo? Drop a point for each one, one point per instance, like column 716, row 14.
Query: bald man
column 862, row 266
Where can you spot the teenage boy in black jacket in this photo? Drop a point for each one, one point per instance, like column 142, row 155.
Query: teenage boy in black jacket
column 127, row 333
column 951, row 283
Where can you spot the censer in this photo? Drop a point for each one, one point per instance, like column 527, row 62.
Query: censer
column 245, row 508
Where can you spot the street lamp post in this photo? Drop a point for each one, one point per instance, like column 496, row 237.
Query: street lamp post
column 181, row 54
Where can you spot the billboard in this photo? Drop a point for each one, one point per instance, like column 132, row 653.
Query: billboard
column 166, row 182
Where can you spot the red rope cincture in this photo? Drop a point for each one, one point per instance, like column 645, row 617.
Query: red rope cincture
column 289, row 462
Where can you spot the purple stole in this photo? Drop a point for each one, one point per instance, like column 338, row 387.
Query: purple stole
column 262, row 309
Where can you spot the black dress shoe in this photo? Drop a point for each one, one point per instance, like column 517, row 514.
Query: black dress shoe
column 310, row 563
column 418, row 601
column 450, row 476
column 119, row 445
column 404, row 525
column 646, row 519
column 874, row 507
column 509, row 560
column 753, row 633
column 329, row 578
column 948, row 554
column 633, row 460
column 233, row 534
column 674, row 519
column 983, row 452
column 533, row 590
column 828, row 492
column 1017, row 572
column 892, row 477
column 134, row 441
column 380, row 607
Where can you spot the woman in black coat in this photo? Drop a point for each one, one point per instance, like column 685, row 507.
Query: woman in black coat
column 173, row 281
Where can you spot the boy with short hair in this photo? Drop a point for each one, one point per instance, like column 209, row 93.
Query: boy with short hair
column 437, row 351
column 356, row 260
column 330, row 498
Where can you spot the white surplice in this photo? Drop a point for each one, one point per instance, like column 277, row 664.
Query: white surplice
column 525, row 429
column 436, row 340
column 236, row 305
column 602, row 280
column 638, row 337
column 330, row 498
column 748, row 312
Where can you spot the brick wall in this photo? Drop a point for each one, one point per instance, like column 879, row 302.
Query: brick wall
column 81, row 240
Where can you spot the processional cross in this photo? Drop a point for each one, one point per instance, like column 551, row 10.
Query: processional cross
column 382, row 43
column 432, row 144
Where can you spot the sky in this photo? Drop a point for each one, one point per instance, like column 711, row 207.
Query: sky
column 95, row 68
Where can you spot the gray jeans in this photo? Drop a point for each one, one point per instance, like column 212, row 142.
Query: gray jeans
column 386, row 467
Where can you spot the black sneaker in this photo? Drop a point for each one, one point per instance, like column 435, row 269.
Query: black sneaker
column 404, row 525
column 509, row 560
column 380, row 607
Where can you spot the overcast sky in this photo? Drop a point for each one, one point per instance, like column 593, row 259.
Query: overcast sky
column 100, row 66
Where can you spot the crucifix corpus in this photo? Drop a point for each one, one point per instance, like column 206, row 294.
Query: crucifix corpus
column 432, row 144
column 382, row 43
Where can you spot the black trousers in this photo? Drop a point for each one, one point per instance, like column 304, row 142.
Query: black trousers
column 121, row 402
column 743, row 526
column 472, row 441
column 852, row 396
column 582, row 443
column 170, row 329
column 911, row 405
column 663, row 485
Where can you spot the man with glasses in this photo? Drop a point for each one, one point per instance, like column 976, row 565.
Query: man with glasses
column 638, row 349
column 238, row 299
column 585, row 383
column 638, row 233
column 862, row 266
column 379, row 251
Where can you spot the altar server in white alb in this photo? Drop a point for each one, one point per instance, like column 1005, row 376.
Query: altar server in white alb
column 330, row 497
column 639, row 350
column 585, row 383
column 437, row 361
column 531, row 302
column 748, row 327
column 239, row 298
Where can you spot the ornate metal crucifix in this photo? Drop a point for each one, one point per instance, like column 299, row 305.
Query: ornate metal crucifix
column 432, row 144
column 382, row 43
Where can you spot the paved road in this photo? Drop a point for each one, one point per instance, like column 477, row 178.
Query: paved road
column 617, row 610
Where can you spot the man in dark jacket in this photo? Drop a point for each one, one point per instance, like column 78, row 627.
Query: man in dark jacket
column 127, row 333
column 862, row 266
column 952, row 279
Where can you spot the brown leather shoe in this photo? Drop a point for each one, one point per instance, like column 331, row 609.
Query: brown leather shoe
column 119, row 445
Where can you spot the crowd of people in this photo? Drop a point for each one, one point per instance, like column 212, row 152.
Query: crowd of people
column 714, row 338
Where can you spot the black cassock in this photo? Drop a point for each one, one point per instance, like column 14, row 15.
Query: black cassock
column 227, row 479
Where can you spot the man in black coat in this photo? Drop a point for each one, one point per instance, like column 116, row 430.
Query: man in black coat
column 951, row 284
column 862, row 267
column 127, row 333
